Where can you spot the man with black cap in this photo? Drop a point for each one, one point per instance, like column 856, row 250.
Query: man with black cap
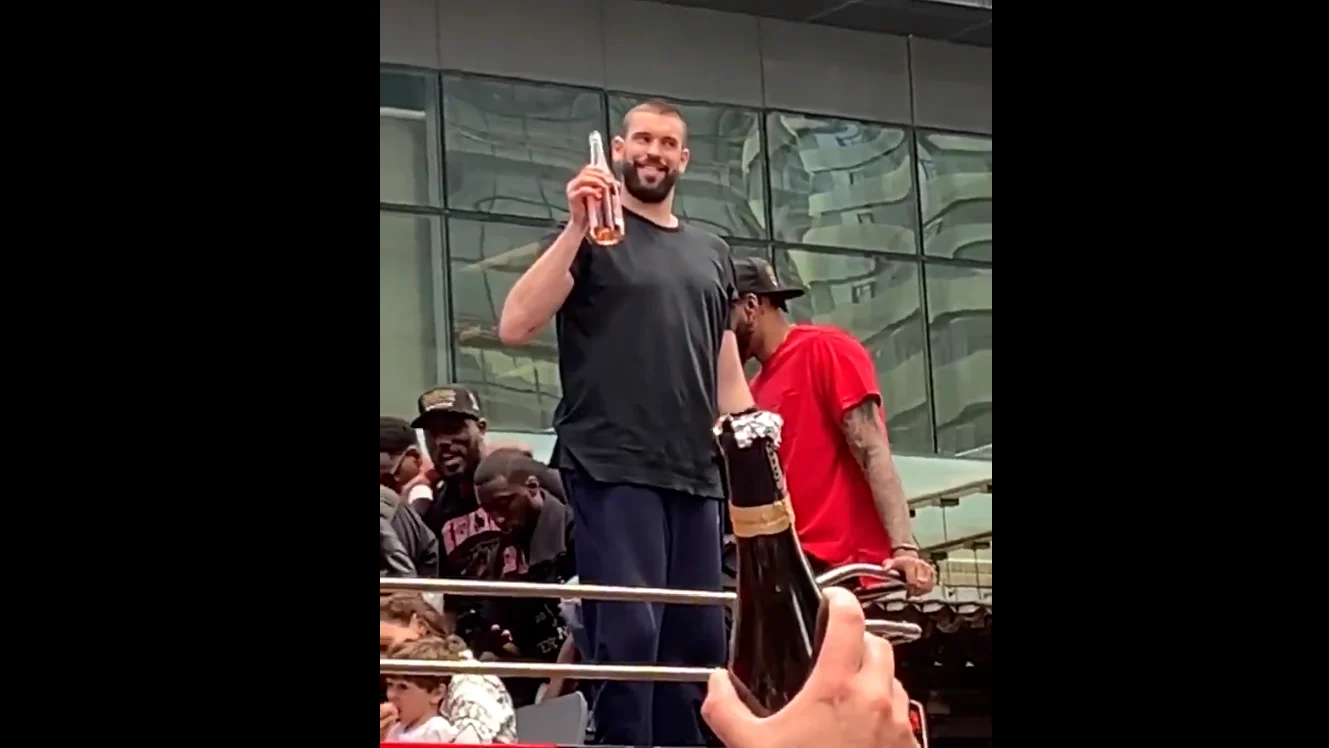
column 821, row 381
column 472, row 546
column 454, row 428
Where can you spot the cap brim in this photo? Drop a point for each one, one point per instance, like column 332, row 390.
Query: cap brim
column 783, row 294
column 424, row 417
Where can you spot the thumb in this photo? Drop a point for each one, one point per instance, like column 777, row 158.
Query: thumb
column 724, row 711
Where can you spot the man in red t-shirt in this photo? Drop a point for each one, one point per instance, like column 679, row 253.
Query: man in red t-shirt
column 849, row 505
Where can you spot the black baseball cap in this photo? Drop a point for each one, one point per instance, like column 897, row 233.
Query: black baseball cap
column 753, row 275
column 448, row 398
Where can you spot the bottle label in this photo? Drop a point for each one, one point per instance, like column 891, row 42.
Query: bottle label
column 771, row 519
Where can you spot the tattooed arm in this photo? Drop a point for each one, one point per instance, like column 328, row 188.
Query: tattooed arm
column 866, row 437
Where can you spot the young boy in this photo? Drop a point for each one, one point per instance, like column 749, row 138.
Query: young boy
column 416, row 698
column 477, row 706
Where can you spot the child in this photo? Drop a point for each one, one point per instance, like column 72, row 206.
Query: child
column 477, row 706
column 416, row 698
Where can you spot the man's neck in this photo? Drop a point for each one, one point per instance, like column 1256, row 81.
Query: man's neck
column 661, row 213
column 771, row 342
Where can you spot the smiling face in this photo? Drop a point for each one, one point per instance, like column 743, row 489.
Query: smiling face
column 651, row 154
column 455, row 443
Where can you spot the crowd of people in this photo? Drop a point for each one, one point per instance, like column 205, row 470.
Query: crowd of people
column 652, row 335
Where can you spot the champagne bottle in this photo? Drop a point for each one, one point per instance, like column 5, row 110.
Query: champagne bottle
column 605, row 215
column 781, row 616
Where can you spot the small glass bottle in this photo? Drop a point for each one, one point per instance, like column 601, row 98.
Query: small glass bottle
column 605, row 216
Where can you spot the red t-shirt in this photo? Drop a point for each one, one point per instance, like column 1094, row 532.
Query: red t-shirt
column 816, row 375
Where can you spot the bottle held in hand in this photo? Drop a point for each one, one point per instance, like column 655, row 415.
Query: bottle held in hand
column 780, row 618
column 605, row 215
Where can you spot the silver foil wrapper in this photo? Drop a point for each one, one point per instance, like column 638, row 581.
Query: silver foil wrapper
column 749, row 427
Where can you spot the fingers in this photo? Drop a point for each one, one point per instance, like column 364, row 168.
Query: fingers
column 724, row 711
column 878, row 661
column 597, row 181
column 900, row 704
column 842, row 651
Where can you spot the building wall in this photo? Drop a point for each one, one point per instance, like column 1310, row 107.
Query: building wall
column 860, row 164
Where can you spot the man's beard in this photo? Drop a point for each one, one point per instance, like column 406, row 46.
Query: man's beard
column 647, row 193
column 743, row 332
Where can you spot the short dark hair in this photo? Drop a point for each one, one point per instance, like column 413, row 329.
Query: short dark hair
column 656, row 106
column 510, row 463
column 395, row 435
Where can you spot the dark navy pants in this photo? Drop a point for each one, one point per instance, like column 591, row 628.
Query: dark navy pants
column 634, row 536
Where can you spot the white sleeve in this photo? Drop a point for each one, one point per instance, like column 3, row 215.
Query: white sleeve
column 437, row 730
column 420, row 492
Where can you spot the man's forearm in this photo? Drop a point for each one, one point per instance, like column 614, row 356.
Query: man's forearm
column 541, row 290
column 872, row 450
column 732, row 393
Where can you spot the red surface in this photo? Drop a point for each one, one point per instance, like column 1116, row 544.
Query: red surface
column 816, row 375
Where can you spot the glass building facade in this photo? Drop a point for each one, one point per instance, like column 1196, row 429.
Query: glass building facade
column 886, row 222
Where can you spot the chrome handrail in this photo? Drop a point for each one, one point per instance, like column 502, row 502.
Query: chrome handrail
column 897, row 632
column 545, row 670
column 485, row 588
column 849, row 571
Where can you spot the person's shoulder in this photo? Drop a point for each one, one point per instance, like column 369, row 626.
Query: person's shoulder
column 436, row 729
column 832, row 339
column 693, row 232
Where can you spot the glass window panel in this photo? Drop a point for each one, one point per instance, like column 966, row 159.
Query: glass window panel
column 971, row 516
column 410, row 310
column 722, row 188
column 841, row 183
column 878, row 300
column 518, row 386
column 408, row 138
column 929, row 526
column 512, row 147
column 960, row 323
column 955, row 178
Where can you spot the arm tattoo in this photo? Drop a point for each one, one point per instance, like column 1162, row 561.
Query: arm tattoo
column 872, row 450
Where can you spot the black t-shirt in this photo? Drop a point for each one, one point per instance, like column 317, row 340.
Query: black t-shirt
column 638, row 340
column 536, row 624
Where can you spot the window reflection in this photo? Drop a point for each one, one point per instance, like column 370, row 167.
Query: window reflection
column 407, row 138
column 512, row 147
column 518, row 386
column 960, row 319
column 878, row 301
column 409, row 311
column 840, row 183
column 955, row 174
column 722, row 188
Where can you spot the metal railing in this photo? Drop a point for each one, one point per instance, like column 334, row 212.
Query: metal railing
column 894, row 631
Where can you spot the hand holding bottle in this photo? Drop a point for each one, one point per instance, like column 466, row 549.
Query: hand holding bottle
column 592, row 183
column 851, row 698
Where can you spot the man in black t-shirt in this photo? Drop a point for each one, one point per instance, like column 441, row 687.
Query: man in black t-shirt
column 647, row 363
column 471, row 545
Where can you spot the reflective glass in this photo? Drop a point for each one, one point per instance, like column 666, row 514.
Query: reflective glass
column 840, row 183
column 955, row 179
column 878, row 300
column 960, row 324
column 512, row 147
column 410, row 310
column 408, row 171
column 518, row 386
